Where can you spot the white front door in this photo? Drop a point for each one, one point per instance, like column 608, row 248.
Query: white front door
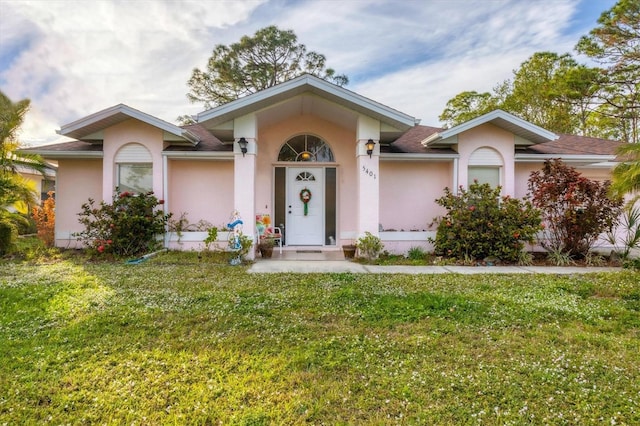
column 305, row 227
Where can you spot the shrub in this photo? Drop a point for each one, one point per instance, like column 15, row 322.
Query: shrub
column 45, row 218
column 369, row 246
column 128, row 226
column 8, row 236
column 480, row 223
column 416, row 253
column 575, row 210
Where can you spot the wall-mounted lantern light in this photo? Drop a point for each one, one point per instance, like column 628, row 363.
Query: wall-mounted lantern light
column 370, row 144
column 242, row 143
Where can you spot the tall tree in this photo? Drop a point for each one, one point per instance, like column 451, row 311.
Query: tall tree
column 577, row 87
column 537, row 91
column 615, row 44
column 548, row 89
column 467, row 105
column 271, row 56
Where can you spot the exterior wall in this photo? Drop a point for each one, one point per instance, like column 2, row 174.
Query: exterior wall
column 131, row 131
column 76, row 182
column 202, row 189
column 522, row 173
column 599, row 174
column 408, row 191
column 488, row 135
column 342, row 142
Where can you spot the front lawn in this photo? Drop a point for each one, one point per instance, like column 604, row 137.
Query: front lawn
column 179, row 340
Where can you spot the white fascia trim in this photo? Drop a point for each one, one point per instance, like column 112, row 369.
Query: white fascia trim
column 568, row 158
column 426, row 141
column 133, row 113
column 199, row 155
column 498, row 113
column 418, row 157
column 316, row 83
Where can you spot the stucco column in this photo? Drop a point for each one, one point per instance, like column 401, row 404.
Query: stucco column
column 368, row 186
column 244, row 187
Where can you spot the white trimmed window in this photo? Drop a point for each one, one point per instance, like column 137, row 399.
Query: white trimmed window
column 485, row 166
column 134, row 169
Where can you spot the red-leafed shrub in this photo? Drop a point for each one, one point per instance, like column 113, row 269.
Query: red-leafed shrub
column 576, row 210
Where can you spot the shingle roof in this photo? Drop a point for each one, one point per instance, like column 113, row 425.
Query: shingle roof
column 208, row 142
column 411, row 141
column 73, row 146
column 576, row 145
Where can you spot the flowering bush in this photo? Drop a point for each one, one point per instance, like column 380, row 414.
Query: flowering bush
column 480, row 223
column 576, row 210
column 128, row 226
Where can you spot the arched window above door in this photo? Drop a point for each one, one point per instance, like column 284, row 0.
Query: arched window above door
column 306, row 148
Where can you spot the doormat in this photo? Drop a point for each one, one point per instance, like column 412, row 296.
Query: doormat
column 308, row 251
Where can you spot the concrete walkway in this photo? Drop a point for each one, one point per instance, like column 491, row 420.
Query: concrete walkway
column 323, row 266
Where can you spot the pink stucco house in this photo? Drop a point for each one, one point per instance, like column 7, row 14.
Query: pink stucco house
column 257, row 154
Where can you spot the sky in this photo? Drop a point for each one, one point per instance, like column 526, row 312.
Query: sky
column 72, row 58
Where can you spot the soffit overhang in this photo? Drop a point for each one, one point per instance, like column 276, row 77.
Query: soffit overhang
column 91, row 128
column 306, row 95
column 528, row 133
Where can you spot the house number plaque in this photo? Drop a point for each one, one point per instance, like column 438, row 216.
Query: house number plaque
column 369, row 173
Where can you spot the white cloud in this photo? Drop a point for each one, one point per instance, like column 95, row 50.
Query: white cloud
column 86, row 56
column 78, row 57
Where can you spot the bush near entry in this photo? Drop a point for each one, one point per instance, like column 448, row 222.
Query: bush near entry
column 481, row 223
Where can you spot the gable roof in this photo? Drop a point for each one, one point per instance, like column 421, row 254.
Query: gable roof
column 89, row 128
column 570, row 147
column 306, row 84
column 502, row 119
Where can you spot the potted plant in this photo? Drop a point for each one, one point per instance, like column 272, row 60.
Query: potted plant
column 266, row 247
column 349, row 251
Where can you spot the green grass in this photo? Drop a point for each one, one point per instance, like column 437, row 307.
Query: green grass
column 182, row 340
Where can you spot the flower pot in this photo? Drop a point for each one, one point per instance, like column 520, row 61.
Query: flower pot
column 349, row 251
column 266, row 252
